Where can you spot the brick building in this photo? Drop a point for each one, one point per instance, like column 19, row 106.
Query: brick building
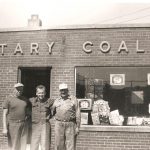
column 73, row 54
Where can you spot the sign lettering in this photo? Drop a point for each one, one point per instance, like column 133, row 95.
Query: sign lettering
column 18, row 49
column 34, row 47
column 105, row 47
column 2, row 46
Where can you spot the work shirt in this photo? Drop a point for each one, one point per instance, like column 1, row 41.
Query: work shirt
column 67, row 110
column 17, row 107
column 41, row 110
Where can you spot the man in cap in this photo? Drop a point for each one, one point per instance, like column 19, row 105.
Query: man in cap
column 15, row 111
column 67, row 116
column 41, row 113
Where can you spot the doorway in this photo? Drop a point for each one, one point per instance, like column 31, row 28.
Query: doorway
column 32, row 77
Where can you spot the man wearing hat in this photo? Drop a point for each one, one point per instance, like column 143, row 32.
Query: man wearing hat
column 67, row 116
column 15, row 110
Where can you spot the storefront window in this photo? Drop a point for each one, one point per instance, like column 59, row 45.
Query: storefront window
column 126, row 89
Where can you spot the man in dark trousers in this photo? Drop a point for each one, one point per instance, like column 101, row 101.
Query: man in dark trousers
column 15, row 111
column 41, row 113
column 67, row 116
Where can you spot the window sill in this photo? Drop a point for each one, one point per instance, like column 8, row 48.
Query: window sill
column 100, row 128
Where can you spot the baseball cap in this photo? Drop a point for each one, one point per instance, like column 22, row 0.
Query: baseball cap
column 18, row 85
column 63, row 86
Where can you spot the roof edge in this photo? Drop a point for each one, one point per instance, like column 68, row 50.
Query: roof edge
column 73, row 27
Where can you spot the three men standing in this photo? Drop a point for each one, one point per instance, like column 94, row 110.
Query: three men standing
column 67, row 116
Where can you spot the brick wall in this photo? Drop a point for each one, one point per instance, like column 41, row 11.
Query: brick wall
column 66, row 54
column 113, row 141
column 109, row 140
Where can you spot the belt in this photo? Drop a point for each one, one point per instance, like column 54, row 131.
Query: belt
column 44, row 120
column 73, row 120
column 40, row 121
column 17, row 121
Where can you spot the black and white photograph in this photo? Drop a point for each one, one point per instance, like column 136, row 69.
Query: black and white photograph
column 74, row 75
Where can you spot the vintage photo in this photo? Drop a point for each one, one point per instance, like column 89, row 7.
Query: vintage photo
column 74, row 75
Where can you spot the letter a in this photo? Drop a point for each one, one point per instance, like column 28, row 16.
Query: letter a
column 123, row 47
column 18, row 49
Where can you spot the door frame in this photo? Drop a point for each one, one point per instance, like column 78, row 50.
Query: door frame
column 21, row 68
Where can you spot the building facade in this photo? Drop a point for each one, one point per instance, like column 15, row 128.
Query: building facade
column 75, row 55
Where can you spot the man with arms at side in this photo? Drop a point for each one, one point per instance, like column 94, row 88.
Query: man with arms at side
column 67, row 116
column 15, row 111
column 41, row 113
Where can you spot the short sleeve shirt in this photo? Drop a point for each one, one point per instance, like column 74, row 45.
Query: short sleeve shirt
column 66, row 109
column 41, row 110
column 16, row 106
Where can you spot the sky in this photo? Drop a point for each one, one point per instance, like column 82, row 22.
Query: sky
column 53, row 13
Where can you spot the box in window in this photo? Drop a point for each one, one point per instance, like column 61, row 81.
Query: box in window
column 85, row 104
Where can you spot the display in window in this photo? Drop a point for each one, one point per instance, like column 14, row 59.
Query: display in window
column 84, row 118
column 100, row 111
column 148, row 78
column 85, row 104
column 95, row 118
column 138, row 121
column 124, row 89
column 94, row 88
column 146, row 121
column 137, row 97
column 115, row 118
column 117, row 79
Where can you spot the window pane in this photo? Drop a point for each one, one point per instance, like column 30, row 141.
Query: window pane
column 125, row 88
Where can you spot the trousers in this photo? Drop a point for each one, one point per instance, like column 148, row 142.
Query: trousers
column 40, row 136
column 64, row 135
column 17, row 135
